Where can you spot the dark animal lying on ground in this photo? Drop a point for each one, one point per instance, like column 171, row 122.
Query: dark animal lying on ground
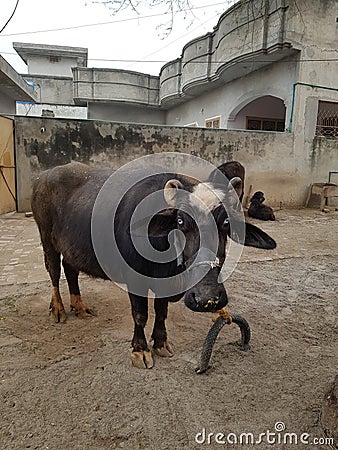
column 62, row 203
column 231, row 170
column 258, row 210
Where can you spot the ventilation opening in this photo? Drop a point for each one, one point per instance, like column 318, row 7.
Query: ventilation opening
column 54, row 59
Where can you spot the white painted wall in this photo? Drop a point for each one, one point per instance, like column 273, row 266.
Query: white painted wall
column 60, row 111
column 228, row 100
column 41, row 65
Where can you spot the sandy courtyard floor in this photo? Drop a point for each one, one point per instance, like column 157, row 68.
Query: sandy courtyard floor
column 71, row 386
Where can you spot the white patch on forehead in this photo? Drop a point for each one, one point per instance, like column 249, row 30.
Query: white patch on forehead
column 206, row 194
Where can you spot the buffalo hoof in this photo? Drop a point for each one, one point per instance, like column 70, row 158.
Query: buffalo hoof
column 80, row 308
column 167, row 351
column 58, row 315
column 142, row 359
column 57, row 311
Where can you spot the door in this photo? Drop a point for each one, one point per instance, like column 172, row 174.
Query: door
column 7, row 166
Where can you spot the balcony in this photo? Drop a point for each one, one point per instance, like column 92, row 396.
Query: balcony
column 109, row 85
column 248, row 36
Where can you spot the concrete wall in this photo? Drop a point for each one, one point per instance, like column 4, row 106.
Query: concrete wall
column 271, row 159
column 318, row 34
column 323, row 159
column 126, row 113
column 52, row 89
column 312, row 26
column 60, row 111
column 303, row 126
column 7, row 104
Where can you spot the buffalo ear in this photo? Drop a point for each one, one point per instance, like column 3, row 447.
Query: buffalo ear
column 237, row 184
column 170, row 191
column 255, row 237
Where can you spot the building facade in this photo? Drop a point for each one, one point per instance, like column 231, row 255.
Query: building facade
column 267, row 65
column 269, row 68
column 50, row 73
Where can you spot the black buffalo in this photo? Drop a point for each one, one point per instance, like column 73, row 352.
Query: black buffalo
column 62, row 203
column 259, row 211
column 230, row 169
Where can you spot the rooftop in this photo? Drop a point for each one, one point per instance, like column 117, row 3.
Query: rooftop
column 13, row 85
column 25, row 50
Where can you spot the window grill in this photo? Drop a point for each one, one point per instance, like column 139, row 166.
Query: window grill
column 265, row 124
column 327, row 120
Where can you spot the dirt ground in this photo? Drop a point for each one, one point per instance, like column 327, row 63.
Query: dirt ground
column 71, row 386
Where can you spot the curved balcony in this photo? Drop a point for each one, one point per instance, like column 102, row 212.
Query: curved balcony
column 248, row 36
column 109, row 85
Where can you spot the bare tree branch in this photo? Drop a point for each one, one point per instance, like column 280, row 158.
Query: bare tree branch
column 170, row 9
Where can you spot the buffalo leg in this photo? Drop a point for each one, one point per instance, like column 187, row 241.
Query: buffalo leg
column 161, row 345
column 53, row 266
column 76, row 303
column 141, row 355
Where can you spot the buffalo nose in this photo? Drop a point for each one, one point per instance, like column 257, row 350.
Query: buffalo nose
column 211, row 303
column 199, row 303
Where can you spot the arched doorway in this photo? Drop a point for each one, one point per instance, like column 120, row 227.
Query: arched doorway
column 264, row 113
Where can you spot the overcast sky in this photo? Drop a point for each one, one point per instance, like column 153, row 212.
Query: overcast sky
column 127, row 37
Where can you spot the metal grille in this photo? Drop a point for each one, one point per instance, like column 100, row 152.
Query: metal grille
column 327, row 120
column 260, row 123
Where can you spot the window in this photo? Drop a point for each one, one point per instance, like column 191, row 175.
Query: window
column 214, row 122
column 327, row 119
column 265, row 124
column 54, row 59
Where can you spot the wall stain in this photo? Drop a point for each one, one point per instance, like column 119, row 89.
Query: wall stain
column 43, row 143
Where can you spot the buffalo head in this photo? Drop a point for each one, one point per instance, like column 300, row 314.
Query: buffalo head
column 197, row 222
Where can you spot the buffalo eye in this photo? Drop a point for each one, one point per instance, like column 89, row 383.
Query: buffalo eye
column 226, row 224
column 180, row 221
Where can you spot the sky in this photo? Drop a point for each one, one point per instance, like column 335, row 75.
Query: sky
column 123, row 41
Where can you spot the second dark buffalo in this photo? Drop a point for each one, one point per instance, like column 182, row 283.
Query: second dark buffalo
column 259, row 211
column 230, row 169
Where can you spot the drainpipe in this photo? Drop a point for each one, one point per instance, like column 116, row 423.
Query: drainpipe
column 293, row 97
